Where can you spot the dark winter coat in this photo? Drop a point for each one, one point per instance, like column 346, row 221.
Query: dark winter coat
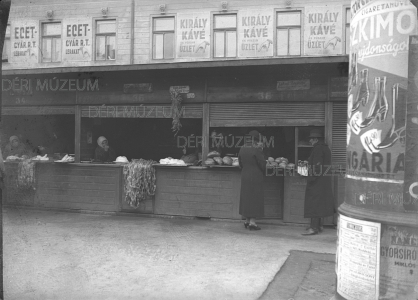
column 319, row 199
column 104, row 156
column 253, row 167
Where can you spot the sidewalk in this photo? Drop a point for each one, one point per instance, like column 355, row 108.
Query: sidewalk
column 63, row 255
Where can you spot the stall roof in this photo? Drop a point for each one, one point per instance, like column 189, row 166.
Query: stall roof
column 184, row 65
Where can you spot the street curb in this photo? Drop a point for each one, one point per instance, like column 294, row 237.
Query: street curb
column 149, row 215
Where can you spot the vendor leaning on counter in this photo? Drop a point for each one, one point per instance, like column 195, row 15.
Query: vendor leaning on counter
column 16, row 148
column 104, row 153
column 55, row 144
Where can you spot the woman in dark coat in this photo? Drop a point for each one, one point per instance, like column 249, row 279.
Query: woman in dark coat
column 319, row 199
column 103, row 152
column 253, row 167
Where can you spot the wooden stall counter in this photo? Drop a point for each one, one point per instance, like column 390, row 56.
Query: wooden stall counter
column 81, row 186
column 209, row 192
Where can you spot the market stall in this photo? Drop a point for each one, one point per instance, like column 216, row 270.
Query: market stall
column 139, row 121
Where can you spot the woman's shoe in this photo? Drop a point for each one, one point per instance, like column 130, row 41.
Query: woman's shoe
column 246, row 224
column 254, row 227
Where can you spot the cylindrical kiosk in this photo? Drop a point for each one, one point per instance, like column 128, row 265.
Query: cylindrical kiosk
column 377, row 256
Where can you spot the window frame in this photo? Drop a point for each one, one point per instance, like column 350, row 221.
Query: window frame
column 225, row 30
column 301, row 28
column 52, row 37
column 347, row 24
column 7, row 38
column 106, row 35
column 152, row 39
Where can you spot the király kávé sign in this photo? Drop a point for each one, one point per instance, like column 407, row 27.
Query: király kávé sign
column 77, row 41
column 24, row 38
column 193, row 35
column 323, row 30
column 255, row 33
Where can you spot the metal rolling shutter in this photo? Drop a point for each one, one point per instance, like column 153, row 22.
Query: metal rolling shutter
column 339, row 133
column 267, row 114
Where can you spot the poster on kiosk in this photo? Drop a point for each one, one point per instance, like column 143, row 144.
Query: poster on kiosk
column 377, row 155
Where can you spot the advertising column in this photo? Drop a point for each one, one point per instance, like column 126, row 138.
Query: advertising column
column 381, row 157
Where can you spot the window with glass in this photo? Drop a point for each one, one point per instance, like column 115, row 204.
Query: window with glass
column 225, row 36
column 347, row 30
column 163, row 38
column 288, row 33
column 51, row 42
column 6, row 45
column 106, row 40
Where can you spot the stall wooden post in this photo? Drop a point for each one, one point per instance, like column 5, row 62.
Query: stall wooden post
column 77, row 133
column 205, row 127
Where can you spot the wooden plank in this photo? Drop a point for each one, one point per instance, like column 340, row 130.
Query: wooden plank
column 38, row 110
column 256, row 123
column 180, row 65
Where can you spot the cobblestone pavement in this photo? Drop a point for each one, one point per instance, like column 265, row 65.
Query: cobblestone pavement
column 63, row 255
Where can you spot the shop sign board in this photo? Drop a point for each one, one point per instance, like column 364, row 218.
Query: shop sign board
column 255, row 33
column 181, row 89
column 338, row 87
column 293, row 85
column 193, row 35
column 399, row 263
column 137, row 88
column 358, row 259
column 24, row 38
column 377, row 83
column 77, row 41
column 323, row 34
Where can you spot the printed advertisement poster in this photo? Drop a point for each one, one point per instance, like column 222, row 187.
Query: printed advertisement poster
column 377, row 89
column 410, row 193
column 77, row 40
column 255, row 33
column 24, row 38
column 399, row 263
column 358, row 259
column 193, row 35
column 323, row 34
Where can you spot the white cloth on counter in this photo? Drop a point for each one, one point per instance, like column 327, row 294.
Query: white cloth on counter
column 172, row 161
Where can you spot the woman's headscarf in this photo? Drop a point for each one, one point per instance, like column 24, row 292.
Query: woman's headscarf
column 100, row 140
column 12, row 138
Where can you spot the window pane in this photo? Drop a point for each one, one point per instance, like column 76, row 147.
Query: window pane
column 227, row 21
column 56, row 50
column 282, row 43
column 46, row 49
column 106, row 26
column 6, row 50
column 51, row 29
column 347, row 40
column 100, row 48
column 291, row 18
column 231, row 44
column 111, row 47
column 347, row 15
column 219, row 44
column 294, row 41
column 163, row 24
column 158, row 47
column 169, row 45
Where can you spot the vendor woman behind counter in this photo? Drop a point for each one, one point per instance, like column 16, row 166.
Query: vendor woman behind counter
column 16, row 148
column 104, row 153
